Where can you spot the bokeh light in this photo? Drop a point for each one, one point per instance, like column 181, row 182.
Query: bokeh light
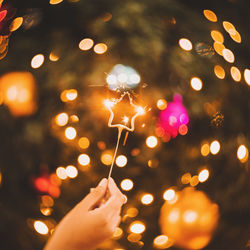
column 235, row 73
column 162, row 242
column 242, row 153
column 161, row 104
column 100, row 48
column 70, row 133
column 53, row 57
column 71, row 171
column 203, row 175
column 194, row 181
column 185, row 44
column 147, row 199
column 71, row 94
column 236, row 37
column 53, row 2
column 218, row 47
column 247, row 76
column 210, row 15
column 217, row 36
column 229, row 27
column 215, row 147
column 37, row 61
column 16, row 24
column 190, row 216
column 196, row 83
column 134, row 237
column 118, row 233
column 205, row 149
column 137, row 227
column 127, row 184
column 169, row 194
column 61, row 173
column 83, row 159
column 107, row 158
column 132, row 212
column 121, row 161
column 219, row 72
column 83, row 142
column 151, row 141
column 228, row 55
column 86, row 44
column 185, row 179
column 62, row 119
column 41, row 227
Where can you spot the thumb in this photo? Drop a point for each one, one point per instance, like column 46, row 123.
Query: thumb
column 95, row 196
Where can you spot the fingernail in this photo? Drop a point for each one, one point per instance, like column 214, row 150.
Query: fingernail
column 125, row 199
column 103, row 182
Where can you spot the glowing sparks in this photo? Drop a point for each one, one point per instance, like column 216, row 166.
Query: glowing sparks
column 41, row 227
column 125, row 120
column 137, row 227
column 127, row 184
column 203, row 175
column 210, row 15
column 185, row 44
column 151, row 141
column 37, row 61
column 196, row 83
column 147, row 199
column 86, row 44
column 121, row 161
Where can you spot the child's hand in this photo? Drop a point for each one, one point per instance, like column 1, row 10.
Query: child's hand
column 91, row 221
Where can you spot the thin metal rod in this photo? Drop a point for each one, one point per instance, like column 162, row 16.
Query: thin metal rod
column 116, row 149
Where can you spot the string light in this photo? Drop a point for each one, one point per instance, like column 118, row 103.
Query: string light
column 236, row 37
column 100, row 48
column 41, row 227
column 37, row 61
column 132, row 212
column 219, row 72
column 151, row 141
column 185, row 44
column 147, row 199
column 194, row 181
column 210, row 15
column 86, row 44
column 71, row 94
column 106, row 158
column 70, row 133
column 83, row 142
column 205, row 149
column 71, row 171
column 235, row 73
column 218, row 47
column 196, row 83
column 137, row 227
column 62, row 119
column 169, row 195
column 203, row 175
column 228, row 55
column 215, row 147
column 229, row 27
column 83, row 159
column 121, row 161
column 247, row 76
column 127, row 184
column 185, row 179
column 162, row 242
column 161, row 104
column 61, row 173
column 217, row 36
column 242, row 153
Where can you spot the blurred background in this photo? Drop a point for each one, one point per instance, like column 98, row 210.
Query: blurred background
column 184, row 169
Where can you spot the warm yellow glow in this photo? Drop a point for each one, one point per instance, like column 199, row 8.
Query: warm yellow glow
column 185, row 179
column 83, row 142
column 125, row 120
column 196, row 83
column 47, row 201
column 247, row 76
column 53, row 57
column 229, row 27
column 86, row 44
column 219, row 72
column 194, row 181
column 228, row 55
column 83, row 159
column 235, row 73
column 121, row 161
column 218, row 47
column 140, row 110
column 55, row 1
column 61, row 173
column 147, row 199
column 203, row 175
column 106, row 158
column 41, row 227
column 161, row 242
column 134, row 237
column 205, row 149
column 215, row 147
column 242, row 153
column 74, row 118
column 127, row 184
column 151, row 141
column 108, row 104
column 236, row 37
column 71, row 94
column 132, row 212
column 161, row 104
column 190, row 216
column 217, row 36
column 62, row 119
column 174, row 215
column 16, row 24
column 137, row 227
column 46, row 211
column 100, row 48
column 210, row 15
column 185, row 44
column 70, row 133
column 71, row 171
column 0, row 178
column 118, row 233
column 169, row 195
column 37, row 61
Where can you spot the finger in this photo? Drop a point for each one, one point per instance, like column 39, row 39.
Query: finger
column 95, row 196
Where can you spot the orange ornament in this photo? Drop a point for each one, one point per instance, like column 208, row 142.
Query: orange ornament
column 190, row 219
column 17, row 90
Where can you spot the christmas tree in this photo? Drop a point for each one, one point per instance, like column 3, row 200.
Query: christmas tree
column 185, row 62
